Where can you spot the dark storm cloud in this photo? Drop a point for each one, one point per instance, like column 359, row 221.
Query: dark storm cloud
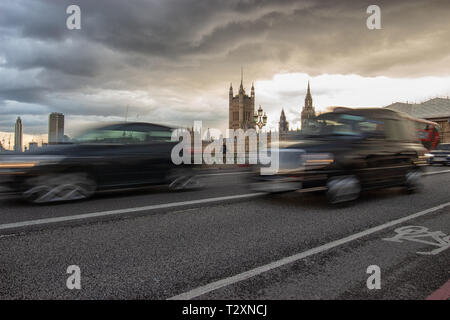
column 30, row 95
column 323, row 30
column 178, row 50
column 320, row 33
column 179, row 30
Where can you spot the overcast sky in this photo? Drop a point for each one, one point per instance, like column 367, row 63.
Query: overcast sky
column 172, row 61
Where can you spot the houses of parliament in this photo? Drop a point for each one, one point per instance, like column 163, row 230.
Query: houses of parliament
column 242, row 108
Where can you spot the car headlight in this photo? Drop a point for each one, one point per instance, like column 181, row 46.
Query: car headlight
column 318, row 159
column 429, row 155
column 18, row 165
column 27, row 162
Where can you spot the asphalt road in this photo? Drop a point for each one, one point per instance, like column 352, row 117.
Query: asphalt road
column 224, row 242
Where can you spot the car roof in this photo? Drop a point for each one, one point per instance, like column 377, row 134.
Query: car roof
column 371, row 112
column 134, row 126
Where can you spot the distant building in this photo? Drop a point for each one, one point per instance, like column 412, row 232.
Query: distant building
column 436, row 110
column 308, row 111
column 18, row 136
column 241, row 108
column 307, row 114
column 283, row 125
column 55, row 128
column 32, row 146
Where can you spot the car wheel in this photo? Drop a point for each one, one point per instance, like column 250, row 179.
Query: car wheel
column 185, row 182
column 414, row 181
column 343, row 189
column 61, row 187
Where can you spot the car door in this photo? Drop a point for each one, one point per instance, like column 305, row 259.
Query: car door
column 372, row 153
column 122, row 155
column 401, row 142
column 147, row 159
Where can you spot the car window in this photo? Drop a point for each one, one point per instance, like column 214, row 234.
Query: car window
column 165, row 136
column 123, row 136
column 346, row 125
column 113, row 136
column 372, row 128
column 400, row 130
column 443, row 147
column 333, row 124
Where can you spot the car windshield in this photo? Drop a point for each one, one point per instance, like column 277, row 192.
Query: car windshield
column 343, row 125
column 443, row 147
column 122, row 136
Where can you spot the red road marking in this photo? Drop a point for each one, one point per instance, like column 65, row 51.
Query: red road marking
column 443, row 293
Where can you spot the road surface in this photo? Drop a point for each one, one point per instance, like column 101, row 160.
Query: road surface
column 227, row 242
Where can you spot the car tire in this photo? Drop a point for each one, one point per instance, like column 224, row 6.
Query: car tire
column 59, row 187
column 413, row 181
column 343, row 189
column 185, row 182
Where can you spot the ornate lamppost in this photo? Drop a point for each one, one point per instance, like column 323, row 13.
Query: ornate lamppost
column 260, row 119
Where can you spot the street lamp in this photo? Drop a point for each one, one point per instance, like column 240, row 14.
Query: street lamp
column 260, row 119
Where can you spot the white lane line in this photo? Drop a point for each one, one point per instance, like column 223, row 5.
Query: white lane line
column 121, row 211
column 436, row 172
column 276, row 264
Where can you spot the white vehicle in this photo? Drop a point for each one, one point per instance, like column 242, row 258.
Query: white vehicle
column 441, row 155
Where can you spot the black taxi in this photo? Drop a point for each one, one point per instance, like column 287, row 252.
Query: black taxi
column 345, row 152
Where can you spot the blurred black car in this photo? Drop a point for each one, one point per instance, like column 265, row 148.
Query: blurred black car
column 346, row 151
column 112, row 156
column 441, row 155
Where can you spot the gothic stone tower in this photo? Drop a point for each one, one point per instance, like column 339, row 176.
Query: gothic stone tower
column 283, row 125
column 241, row 109
column 308, row 111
